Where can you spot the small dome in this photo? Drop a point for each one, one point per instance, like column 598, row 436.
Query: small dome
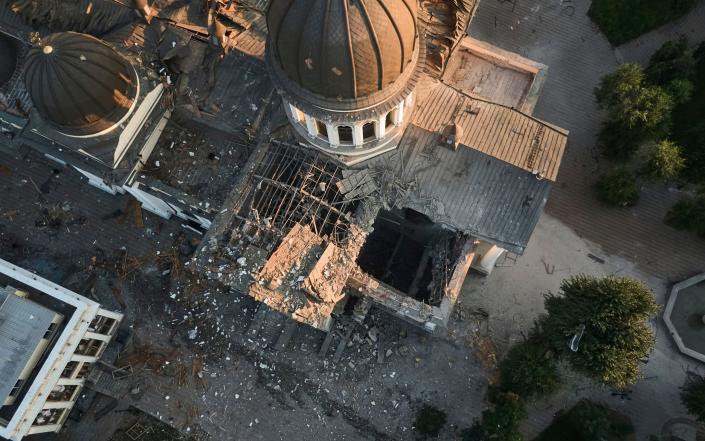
column 343, row 49
column 79, row 84
column 8, row 53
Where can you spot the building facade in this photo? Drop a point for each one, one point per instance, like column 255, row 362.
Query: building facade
column 50, row 338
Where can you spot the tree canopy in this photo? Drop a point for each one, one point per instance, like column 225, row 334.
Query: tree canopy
column 665, row 161
column 631, row 101
column 616, row 338
column 693, row 398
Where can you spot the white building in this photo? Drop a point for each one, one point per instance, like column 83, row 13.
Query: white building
column 49, row 339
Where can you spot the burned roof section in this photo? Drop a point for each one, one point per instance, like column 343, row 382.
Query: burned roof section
column 293, row 235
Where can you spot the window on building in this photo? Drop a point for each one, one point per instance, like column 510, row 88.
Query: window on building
column 345, row 134
column 389, row 120
column 102, row 325
column 63, row 393
column 368, row 131
column 49, row 417
column 50, row 331
column 89, row 347
column 16, row 388
column 85, row 369
column 69, row 369
column 322, row 129
column 299, row 115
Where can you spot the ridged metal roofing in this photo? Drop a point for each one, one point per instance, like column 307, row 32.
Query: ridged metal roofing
column 496, row 130
column 470, row 190
column 23, row 324
column 484, row 187
column 78, row 83
column 343, row 48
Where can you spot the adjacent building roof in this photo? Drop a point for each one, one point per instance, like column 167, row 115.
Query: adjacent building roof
column 469, row 190
column 79, row 84
column 496, row 130
column 482, row 186
column 23, row 324
column 8, row 53
column 343, row 49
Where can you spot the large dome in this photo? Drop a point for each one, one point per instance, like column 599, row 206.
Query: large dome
column 343, row 49
column 8, row 55
column 79, row 84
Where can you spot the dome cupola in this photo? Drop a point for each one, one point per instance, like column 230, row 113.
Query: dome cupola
column 343, row 49
column 346, row 70
column 79, row 84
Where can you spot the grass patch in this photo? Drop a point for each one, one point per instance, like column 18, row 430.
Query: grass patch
column 624, row 20
column 588, row 421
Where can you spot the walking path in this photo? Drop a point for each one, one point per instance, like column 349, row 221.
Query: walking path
column 561, row 35
column 633, row 242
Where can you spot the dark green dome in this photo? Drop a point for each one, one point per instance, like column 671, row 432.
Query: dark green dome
column 79, row 84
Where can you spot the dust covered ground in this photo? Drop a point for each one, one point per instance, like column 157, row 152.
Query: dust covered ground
column 206, row 360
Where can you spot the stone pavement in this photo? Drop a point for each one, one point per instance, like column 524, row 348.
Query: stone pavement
column 513, row 298
column 559, row 34
column 632, row 242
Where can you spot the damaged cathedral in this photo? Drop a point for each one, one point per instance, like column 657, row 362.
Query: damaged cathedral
column 335, row 155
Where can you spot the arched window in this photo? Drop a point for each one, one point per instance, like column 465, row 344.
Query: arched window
column 345, row 134
column 368, row 131
column 322, row 129
column 391, row 116
column 299, row 115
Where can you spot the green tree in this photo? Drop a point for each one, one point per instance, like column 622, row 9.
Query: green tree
column 688, row 214
column 693, row 398
column 529, row 370
column 665, row 161
column 632, row 102
column 619, row 142
column 429, row 421
column 611, row 315
column 618, row 188
column 681, row 90
column 501, row 422
column 591, row 420
column 693, row 142
column 674, row 60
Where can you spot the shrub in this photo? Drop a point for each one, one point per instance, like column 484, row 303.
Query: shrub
column 618, row 142
column 632, row 102
column 592, row 420
column 688, row 214
column 611, row 314
column 665, row 161
column 529, row 371
column 693, row 398
column 618, row 188
column 501, row 423
column 429, row 421
column 674, row 60
column 588, row 421
column 681, row 90
column 694, row 151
